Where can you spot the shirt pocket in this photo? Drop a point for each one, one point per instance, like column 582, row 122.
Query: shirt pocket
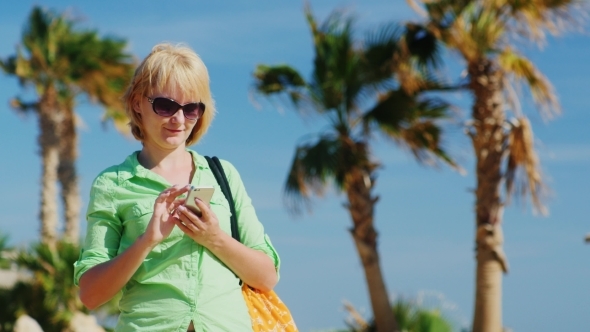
column 220, row 206
column 135, row 222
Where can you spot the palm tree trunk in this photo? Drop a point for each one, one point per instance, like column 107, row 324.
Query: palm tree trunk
column 358, row 189
column 68, row 178
column 488, row 138
column 49, row 119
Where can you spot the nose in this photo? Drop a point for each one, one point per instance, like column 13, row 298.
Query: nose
column 178, row 116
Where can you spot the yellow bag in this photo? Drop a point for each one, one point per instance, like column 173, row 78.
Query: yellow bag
column 267, row 311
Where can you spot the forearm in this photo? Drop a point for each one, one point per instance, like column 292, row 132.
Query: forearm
column 102, row 282
column 254, row 267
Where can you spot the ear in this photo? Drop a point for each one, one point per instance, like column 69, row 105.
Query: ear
column 137, row 105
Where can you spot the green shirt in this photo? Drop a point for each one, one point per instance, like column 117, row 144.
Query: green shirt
column 179, row 280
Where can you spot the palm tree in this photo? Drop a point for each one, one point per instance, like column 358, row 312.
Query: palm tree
column 358, row 89
column 62, row 63
column 48, row 294
column 100, row 69
column 6, row 312
column 410, row 316
column 4, row 261
column 482, row 32
column 46, row 291
column 50, row 297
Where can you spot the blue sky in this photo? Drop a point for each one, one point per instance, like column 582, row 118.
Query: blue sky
column 424, row 216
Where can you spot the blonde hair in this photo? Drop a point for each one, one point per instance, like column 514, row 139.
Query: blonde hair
column 175, row 66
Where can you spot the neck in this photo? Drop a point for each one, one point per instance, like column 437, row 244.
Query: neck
column 163, row 159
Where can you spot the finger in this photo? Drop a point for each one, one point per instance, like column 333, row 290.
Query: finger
column 163, row 196
column 174, row 205
column 179, row 189
column 189, row 224
column 189, row 217
column 175, row 191
column 205, row 209
column 182, row 226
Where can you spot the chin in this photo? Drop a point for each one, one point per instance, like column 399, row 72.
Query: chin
column 175, row 142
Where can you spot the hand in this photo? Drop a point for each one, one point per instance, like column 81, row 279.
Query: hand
column 204, row 228
column 165, row 214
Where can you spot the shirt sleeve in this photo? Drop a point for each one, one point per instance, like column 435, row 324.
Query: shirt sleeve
column 251, row 229
column 103, row 232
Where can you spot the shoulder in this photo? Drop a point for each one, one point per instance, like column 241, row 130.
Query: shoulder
column 112, row 175
column 107, row 176
column 228, row 167
column 231, row 172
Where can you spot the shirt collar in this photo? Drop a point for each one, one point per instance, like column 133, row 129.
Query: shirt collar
column 131, row 166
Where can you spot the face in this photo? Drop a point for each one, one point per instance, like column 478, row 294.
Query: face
column 162, row 130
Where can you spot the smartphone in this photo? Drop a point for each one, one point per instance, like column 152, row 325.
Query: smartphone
column 204, row 193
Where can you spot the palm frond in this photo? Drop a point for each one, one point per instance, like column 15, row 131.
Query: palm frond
column 392, row 63
column 533, row 18
column 445, row 20
column 391, row 112
column 313, row 165
column 42, row 38
column 23, row 68
column 487, row 30
column 55, row 55
column 477, row 31
column 277, row 79
column 23, row 107
column 396, row 109
column 443, row 12
column 423, row 138
column 423, row 45
column 50, row 295
column 467, row 26
column 411, row 123
column 119, row 119
column 280, row 81
column 335, row 82
column 524, row 70
column 410, row 315
column 8, row 65
column 378, row 53
column 522, row 157
column 100, row 68
column 5, row 261
column 409, row 76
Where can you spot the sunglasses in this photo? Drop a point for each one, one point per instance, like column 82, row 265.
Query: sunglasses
column 167, row 107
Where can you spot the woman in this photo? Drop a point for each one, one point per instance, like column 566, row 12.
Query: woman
column 178, row 271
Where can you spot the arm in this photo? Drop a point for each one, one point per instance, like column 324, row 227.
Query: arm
column 102, row 282
column 254, row 267
column 251, row 230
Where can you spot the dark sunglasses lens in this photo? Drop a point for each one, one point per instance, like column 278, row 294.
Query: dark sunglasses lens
column 165, row 107
column 193, row 111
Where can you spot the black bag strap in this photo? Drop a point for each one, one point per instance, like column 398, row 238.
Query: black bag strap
column 217, row 169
